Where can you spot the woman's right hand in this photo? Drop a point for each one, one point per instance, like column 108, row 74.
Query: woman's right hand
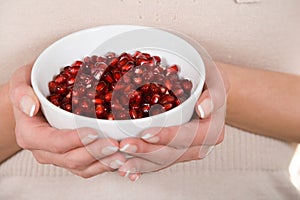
column 80, row 151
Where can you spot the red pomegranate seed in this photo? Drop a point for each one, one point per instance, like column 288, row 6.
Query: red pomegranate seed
column 61, row 78
column 100, row 59
column 117, row 75
column 129, row 65
column 73, row 70
column 108, row 96
column 178, row 92
column 77, row 64
column 167, row 99
column 110, row 55
column 172, row 70
column 145, row 108
column 155, row 99
column 71, row 81
column 157, row 59
column 52, row 86
column 98, row 101
column 94, row 58
column 167, row 106
column 110, row 116
column 186, row 85
column 122, row 61
column 114, row 62
column 108, row 78
column 87, row 59
column 137, row 80
column 100, row 111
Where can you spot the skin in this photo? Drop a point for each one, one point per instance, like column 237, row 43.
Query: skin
column 243, row 106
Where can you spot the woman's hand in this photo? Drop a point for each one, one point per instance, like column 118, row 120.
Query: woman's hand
column 80, row 151
column 159, row 148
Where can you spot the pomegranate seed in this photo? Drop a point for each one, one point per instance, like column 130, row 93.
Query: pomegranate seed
column 100, row 111
column 186, row 85
column 61, row 78
column 145, row 108
column 129, row 65
column 110, row 55
column 114, row 62
column 167, row 99
column 155, row 99
column 172, row 70
column 110, row 116
column 157, row 59
column 137, row 80
column 178, row 92
column 108, row 78
column 86, row 59
column 77, row 64
column 108, row 96
column 122, row 61
column 71, row 81
column 73, row 70
column 117, row 75
column 52, row 86
column 167, row 106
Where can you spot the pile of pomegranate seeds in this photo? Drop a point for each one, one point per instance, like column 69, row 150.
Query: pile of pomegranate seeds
column 119, row 87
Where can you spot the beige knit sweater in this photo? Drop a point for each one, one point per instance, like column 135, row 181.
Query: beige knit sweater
column 263, row 34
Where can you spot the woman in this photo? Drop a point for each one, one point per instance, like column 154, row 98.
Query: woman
column 244, row 166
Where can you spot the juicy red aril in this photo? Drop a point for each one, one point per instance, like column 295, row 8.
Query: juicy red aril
column 119, row 87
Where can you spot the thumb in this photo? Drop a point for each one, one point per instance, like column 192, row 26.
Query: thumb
column 21, row 93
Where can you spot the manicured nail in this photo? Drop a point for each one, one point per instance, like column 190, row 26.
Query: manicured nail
column 116, row 164
column 89, row 139
column 137, row 178
column 127, row 173
column 205, row 151
column 134, row 177
column 129, row 148
column 205, row 108
column 150, row 138
column 109, row 150
column 27, row 105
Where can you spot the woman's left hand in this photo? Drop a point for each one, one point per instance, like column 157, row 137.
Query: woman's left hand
column 160, row 147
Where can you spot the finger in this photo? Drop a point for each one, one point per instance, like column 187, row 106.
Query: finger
column 159, row 154
column 134, row 176
column 138, row 165
column 98, row 167
column 21, row 94
column 191, row 133
column 77, row 158
column 41, row 136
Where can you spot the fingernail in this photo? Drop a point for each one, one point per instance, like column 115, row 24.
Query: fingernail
column 109, row 150
column 205, row 151
column 116, row 164
column 205, row 108
column 89, row 139
column 137, row 178
column 128, row 172
column 134, row 177
column 150, row 138
column 129, row 148
column 27, row 105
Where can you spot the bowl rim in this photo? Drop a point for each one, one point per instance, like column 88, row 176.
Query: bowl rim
column 45, row 101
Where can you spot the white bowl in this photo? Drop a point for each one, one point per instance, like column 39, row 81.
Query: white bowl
column 118, row 38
